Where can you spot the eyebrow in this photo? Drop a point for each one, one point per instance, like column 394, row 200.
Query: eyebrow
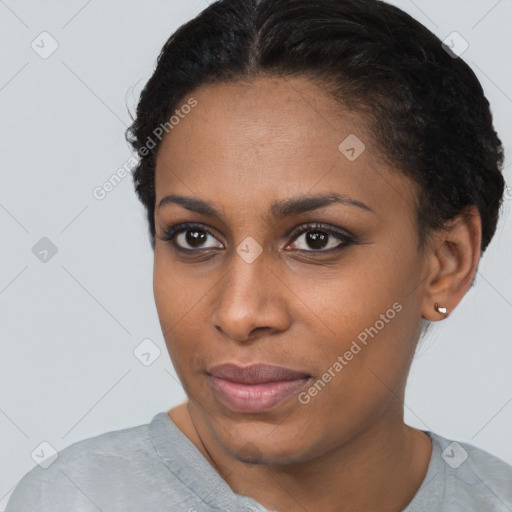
column 278, row 209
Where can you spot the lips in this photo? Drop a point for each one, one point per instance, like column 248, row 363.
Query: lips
column 256, row 373
column 256, row 388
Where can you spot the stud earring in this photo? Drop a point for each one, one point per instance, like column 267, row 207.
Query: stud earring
column 439, row 309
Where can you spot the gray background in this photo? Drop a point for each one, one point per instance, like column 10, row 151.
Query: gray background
column 69, row 326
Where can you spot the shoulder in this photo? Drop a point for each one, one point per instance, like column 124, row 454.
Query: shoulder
column 82, row 471
column 463, row 477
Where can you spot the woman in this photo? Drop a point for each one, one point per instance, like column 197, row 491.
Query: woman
column 321, row 180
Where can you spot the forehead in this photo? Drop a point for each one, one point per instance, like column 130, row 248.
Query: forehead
column 268, row 138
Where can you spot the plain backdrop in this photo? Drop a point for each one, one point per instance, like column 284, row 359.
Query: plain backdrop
column 69, row 325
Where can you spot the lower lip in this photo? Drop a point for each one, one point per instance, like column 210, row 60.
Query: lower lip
column 254, row 397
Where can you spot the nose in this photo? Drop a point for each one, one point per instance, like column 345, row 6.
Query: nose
column 251, row 301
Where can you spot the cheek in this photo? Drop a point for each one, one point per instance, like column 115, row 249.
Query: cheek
column 173, row 302
column 180, row 304
column 372, row 322
column 174, row 294
column 346, row 304
column 370, row 359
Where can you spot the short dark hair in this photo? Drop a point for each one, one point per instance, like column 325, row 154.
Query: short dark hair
column 426, row 108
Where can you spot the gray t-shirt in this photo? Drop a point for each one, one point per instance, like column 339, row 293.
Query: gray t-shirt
column 156, row 468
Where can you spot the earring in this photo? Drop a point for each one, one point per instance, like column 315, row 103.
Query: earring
column 439, row 309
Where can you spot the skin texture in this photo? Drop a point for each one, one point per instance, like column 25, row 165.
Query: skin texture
column 242, row 147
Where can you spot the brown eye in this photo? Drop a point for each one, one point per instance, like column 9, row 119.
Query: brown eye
column 319, row 238
column 189, row 237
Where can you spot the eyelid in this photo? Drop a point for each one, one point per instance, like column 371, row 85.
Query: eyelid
column 170, row 233
column 345, row 237
column 342, row 235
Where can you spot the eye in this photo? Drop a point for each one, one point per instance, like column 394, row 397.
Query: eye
column 318, row 237
column 193, row 235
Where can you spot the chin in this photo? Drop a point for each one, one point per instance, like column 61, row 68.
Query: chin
column 267, row 447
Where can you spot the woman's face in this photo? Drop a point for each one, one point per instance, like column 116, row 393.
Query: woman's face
column 340, row 302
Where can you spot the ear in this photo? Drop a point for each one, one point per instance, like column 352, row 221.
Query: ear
column 451, row 264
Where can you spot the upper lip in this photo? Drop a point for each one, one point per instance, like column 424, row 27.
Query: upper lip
column 256, row 373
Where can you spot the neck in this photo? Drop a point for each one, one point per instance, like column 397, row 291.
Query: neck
column 381, row 468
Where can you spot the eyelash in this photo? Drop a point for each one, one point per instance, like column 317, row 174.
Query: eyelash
column 173, row 231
